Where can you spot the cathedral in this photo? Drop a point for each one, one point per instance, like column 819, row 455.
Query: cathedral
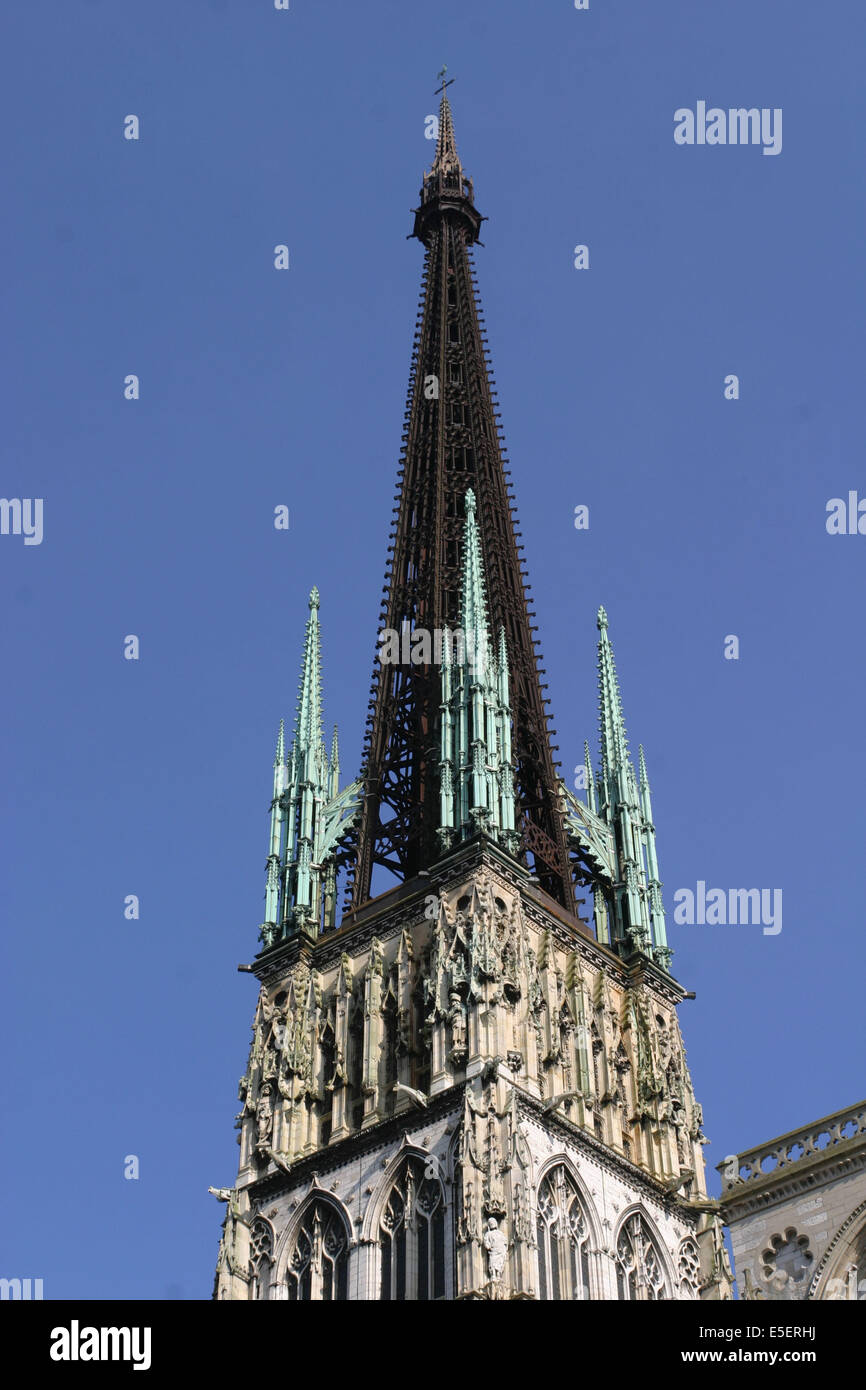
column 462, row 1083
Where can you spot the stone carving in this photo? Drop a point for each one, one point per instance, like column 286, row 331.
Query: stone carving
column 503, row 996
column 494, row 1167
column 339, row 1077
column 468, row 1224
column 496, row 1246
column 264, row 1115
column 457, row 1020
column 751, row 1292
column 520, row 1210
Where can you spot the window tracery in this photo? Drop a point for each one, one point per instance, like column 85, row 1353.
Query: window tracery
column 639, row 1268
column 412, row 1236
column 318, row 1264
column 563, row 1238
column 261, row 1259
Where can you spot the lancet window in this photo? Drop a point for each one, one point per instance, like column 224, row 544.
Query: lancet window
column 412, row 1236
column 261, row 1259
column 318, row 1264
column 563, row 1239
column 639, row 1269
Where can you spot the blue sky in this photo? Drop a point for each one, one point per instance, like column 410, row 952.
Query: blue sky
column 707, row 518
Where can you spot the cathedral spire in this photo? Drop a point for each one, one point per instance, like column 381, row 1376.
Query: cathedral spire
column 451, row 442
column 447, row 160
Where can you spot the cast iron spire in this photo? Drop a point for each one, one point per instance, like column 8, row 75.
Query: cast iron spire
column 451, row 443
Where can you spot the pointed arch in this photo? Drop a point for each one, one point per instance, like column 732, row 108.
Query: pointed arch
column 313, row 1258
column 407, row 1220
column 643, row 1266
column 563, row 1160
column 567, row 1233
column 841, row 1271
column 688, row 1269
column 261, row 1259
column 375, row 1206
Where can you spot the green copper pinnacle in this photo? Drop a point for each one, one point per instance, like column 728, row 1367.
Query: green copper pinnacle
column 309, row 815
column 614, row 832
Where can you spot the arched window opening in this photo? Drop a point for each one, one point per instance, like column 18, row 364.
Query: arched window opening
column 412, row 1236
column 689, row 1269
column 261, row 1260
column 318, row 1264
column 563, row 1239
column 639, row 1270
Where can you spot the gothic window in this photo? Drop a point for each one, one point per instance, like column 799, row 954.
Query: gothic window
column 563, row 1239
column 318, row 1264
column 261, row 1259
column 639, row 1272
column 412, row 1236
column 689, row 1269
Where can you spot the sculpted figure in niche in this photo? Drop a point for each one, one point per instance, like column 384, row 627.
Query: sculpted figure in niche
column 339, row 1077
column 264, row 1114
column 469, row 1222
column 457, row 1019
column 470, row 1146
column 497, row 1249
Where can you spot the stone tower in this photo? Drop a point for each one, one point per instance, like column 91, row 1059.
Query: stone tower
column 463, row 1090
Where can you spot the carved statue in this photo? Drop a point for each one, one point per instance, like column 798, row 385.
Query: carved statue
column 470, row 1145
column 520, row 1201
column 521, row 1146
column 457, row 1019
column 244, row 1095
column 496, row 1246
column 265, row 1114
column 339, row 1077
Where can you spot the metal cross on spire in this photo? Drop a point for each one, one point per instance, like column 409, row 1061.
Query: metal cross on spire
column 445, row 83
